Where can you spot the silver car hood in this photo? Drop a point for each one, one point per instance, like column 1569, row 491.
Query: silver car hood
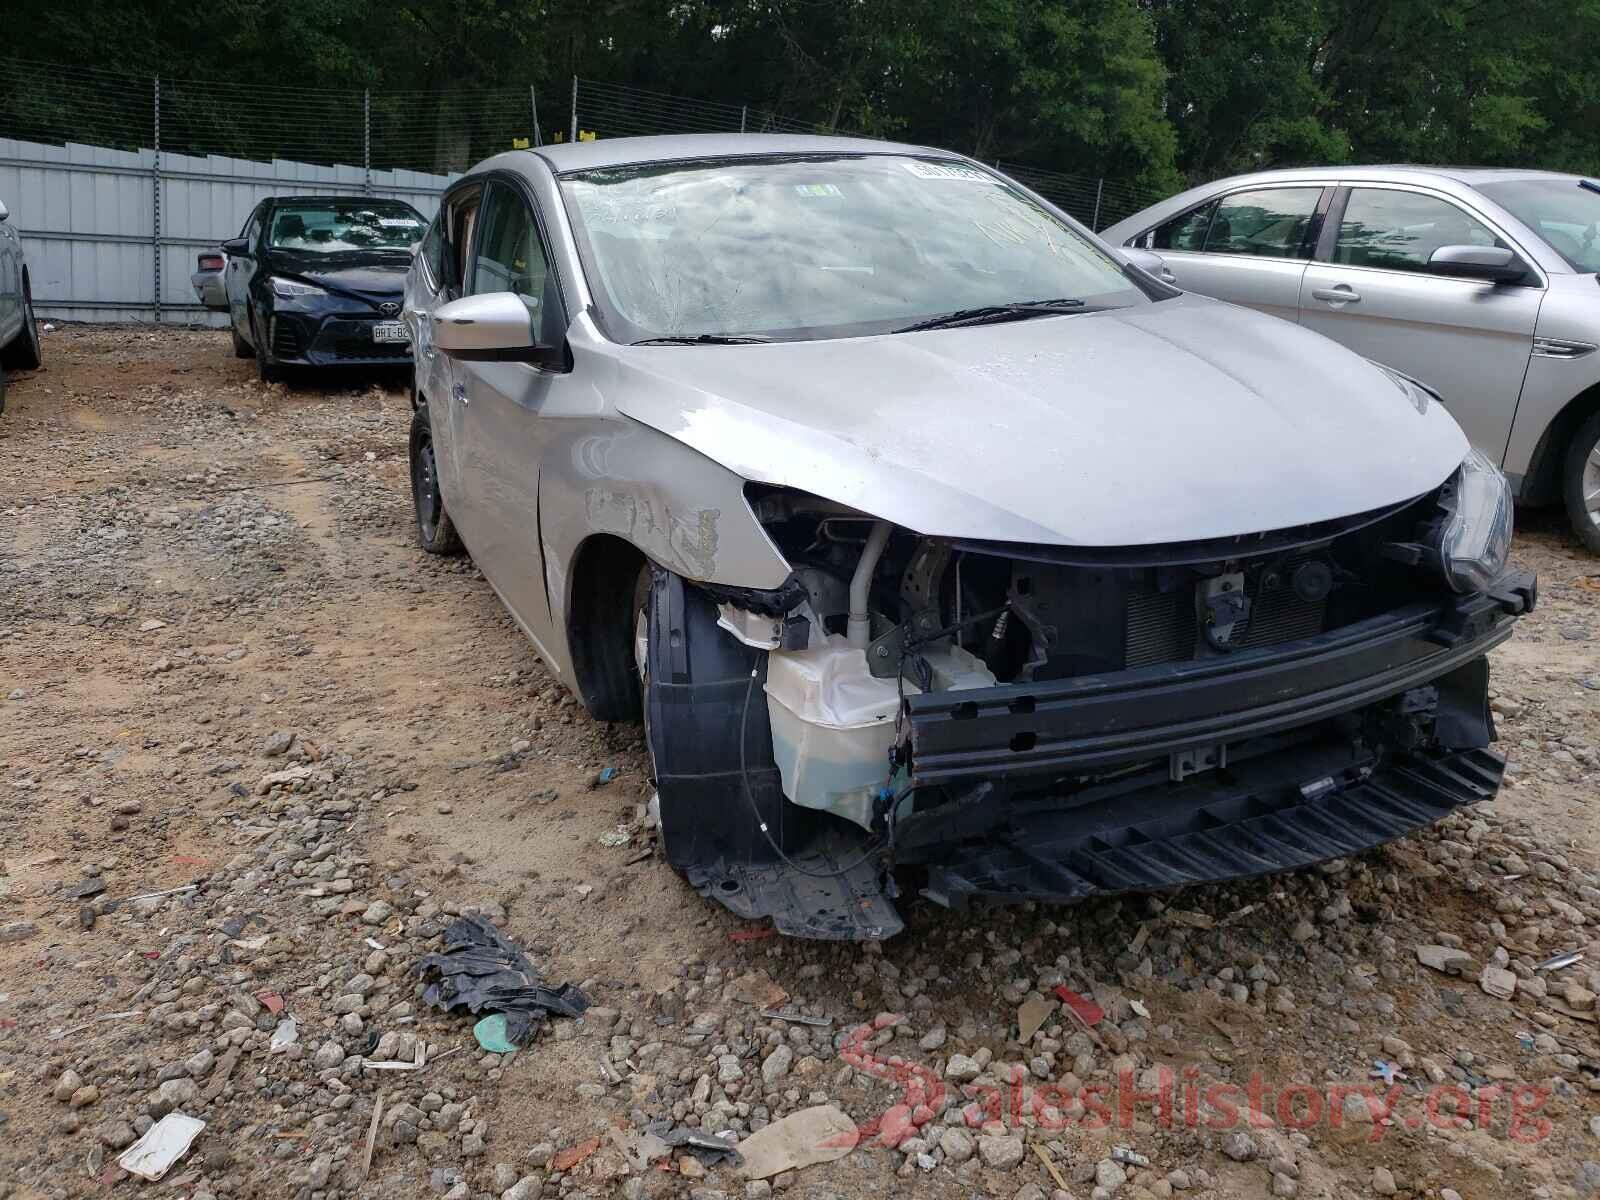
column 1176, row 421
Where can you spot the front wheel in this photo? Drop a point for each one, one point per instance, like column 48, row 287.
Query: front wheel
column 436, row 533
column 24, row 353
column 241, row 348
column 1580, row 482
column 266, row 370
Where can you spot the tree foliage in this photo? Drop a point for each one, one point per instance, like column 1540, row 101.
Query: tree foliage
column 1147, row 91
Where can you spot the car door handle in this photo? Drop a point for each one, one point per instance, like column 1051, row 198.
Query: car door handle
column 1166, row 275
column 459, row 392
column 1342, row 294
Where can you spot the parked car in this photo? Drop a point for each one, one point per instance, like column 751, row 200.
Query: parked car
column 19, row 329
column 928, row 537
column 1479, row 283
column 318, row 280
column 209, row 281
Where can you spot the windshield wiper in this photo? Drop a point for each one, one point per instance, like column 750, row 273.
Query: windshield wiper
column 701, row 339
column 989, row 314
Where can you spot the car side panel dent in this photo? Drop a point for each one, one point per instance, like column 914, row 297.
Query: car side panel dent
column 683, row 538
column 610, row 477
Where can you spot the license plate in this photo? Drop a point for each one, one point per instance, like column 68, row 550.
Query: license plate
column 390, row 331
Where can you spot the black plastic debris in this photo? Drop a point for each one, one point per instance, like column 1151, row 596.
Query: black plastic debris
column 481, row 971
column 710, row 1149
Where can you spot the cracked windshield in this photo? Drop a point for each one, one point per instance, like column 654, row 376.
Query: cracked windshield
column 806, row 248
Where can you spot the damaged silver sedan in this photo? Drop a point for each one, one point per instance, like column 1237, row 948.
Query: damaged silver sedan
column 938, row 547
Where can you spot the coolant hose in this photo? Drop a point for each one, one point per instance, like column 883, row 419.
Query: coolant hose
column 859, row 630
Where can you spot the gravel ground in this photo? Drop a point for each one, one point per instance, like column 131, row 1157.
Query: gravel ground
column 227, row 675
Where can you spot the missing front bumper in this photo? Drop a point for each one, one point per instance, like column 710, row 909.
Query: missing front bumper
column 1062, row 790
column 1095, row 722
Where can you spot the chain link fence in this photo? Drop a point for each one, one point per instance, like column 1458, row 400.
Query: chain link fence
column 115, row 180
column 615, row 110
column 433, row 131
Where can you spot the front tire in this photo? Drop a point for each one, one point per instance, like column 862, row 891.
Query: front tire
column 267, row 371
column 1580, row 482
column 241, row 348
column 436, row 532
column 24, row 352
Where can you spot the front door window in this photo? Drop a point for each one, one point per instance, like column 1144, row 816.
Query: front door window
column 510, row 257
column 1399, row 231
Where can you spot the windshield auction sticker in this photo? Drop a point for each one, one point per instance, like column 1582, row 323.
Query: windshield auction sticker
column 945, row 170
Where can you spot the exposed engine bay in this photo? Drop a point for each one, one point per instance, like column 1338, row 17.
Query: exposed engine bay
column 1027, row 722
column 941, row 616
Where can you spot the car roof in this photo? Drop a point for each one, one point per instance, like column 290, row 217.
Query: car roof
column 353, row 199
column 1391, row 172
column 630, row 151
column 1460, row 182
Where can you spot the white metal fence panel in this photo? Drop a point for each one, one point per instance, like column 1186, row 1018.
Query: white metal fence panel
column 99, row 247
column 85, row 215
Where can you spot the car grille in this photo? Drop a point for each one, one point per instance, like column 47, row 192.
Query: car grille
column 1163, row 627
column 1160, row 627
column 1278, row 616
column 352, row 340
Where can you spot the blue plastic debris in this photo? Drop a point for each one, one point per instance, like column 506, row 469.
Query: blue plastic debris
column 1386, row 1071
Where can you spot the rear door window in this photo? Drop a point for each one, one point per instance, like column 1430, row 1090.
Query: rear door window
column 1399, row 231
column 1187, row 232
column 1270, row 223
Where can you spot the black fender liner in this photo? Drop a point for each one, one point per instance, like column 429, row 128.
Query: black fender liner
column 704, row 687
column 699, row 680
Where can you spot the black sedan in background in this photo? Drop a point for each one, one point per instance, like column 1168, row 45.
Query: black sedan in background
column 318, row 280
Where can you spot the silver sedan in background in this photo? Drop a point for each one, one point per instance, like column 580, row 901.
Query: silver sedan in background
column 942, row 551
column 1480, row 283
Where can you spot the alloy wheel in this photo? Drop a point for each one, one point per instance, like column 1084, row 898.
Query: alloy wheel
column 1591, row 485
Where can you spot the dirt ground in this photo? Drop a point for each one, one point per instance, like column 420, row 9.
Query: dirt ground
column 205, row 581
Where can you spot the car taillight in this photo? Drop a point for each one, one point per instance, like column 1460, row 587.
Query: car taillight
column 211, row 262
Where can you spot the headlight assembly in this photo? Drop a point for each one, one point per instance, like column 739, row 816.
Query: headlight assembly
column 290, row 289
column 1475, row 537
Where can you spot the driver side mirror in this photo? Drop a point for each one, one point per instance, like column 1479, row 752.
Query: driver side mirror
column 1494, row 264
column 4, row 211
column 234, row 247
column 494, row 327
